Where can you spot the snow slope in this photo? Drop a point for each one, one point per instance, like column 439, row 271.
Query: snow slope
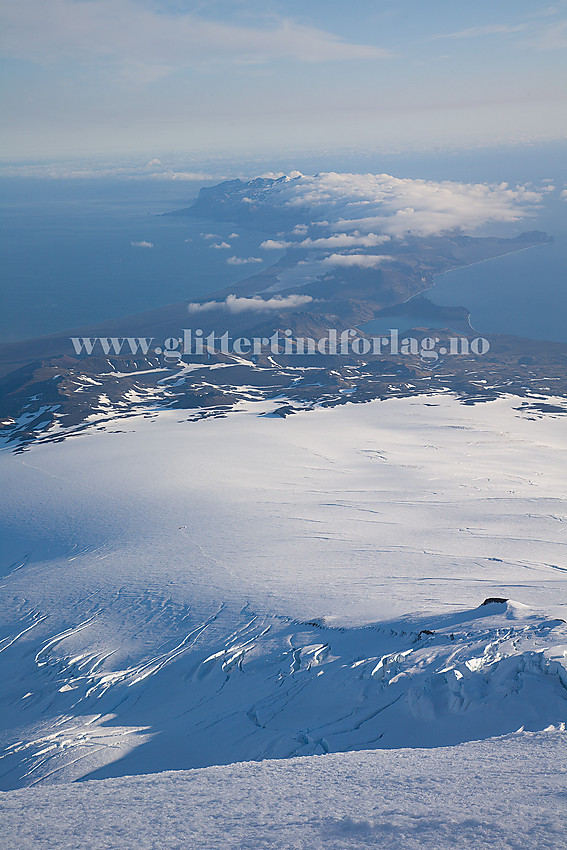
column 355, row 513
column 180, row 594
column 506, row 793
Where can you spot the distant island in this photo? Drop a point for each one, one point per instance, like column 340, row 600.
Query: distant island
column 328, row 275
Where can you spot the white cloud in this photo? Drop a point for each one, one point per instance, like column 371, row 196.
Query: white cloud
column 344, row 240
column 233, row 236
column 563, row 195
column 377, row 205
column 220, row 245
column 142, row 244
column 275, row 244
column 149, row 43
column 365, row 261
column 209, row 235
column 234, row 304
column 242, row 261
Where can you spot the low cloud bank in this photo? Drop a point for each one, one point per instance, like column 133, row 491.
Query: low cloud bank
column 365, row 261
column 339, row 240
column 234, row 304
column 369, row 207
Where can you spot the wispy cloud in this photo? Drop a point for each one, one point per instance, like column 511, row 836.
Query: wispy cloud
column 256, row 304
column 476, row 32
column 553, row 36
column 142, row 244
column 543, row 35
column 139, row 38
column 550, row 11
column 72, row 171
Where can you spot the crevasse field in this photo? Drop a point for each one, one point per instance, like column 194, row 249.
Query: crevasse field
column 192, row 594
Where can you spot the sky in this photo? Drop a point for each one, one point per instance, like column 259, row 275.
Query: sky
column 136, row 77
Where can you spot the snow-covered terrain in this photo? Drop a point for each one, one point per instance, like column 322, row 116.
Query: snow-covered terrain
column 505, row 794
column 357, row 514
column 180, row 594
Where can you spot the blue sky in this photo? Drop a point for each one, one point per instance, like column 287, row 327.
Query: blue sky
column 86, row 77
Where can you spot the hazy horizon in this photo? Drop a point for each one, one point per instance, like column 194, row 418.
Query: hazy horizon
column 134, row 76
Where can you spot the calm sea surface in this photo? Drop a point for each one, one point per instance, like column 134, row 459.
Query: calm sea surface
column 67, row 256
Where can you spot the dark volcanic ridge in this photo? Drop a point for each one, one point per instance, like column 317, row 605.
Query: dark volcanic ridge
column 54, row 399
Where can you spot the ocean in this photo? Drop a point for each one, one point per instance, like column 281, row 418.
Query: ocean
column 69, row 255
column 524, row 293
